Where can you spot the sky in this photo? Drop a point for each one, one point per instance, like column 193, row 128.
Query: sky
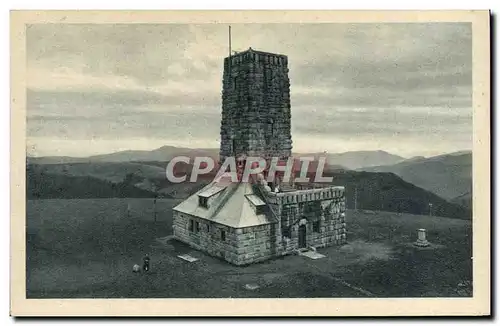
column 100, row 88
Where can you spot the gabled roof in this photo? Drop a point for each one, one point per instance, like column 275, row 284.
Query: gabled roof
column 232, row 206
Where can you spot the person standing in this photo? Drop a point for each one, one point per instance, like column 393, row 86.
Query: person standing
column 145, row 266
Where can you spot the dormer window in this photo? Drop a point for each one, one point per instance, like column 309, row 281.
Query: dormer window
column 258, row 204
column 203, row 201
column 210, row 193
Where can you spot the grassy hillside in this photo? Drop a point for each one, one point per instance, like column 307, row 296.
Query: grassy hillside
column 388, row 192
column 42, row 185
column 108, row 171
column 448, row 176
column 464, row 200
column 376, row 191
column 85, row 248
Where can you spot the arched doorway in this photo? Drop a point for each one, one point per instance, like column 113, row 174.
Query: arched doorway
column 302, row 236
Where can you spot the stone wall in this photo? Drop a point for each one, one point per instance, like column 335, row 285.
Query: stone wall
column 301, row 196
column 208, row 240
column 332, row 232
column 256, row 119
column 241, row 246
column 258, row 243
column 323, row 207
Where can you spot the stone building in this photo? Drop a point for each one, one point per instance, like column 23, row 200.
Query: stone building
column 248, row 222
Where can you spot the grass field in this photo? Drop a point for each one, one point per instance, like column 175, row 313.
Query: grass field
column 86, row 248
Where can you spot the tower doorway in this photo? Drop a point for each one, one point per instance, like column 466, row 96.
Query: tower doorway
column 302, row 236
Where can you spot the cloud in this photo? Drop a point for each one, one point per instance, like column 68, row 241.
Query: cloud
column 115, row 115
column 163, row 82
column 381, row 123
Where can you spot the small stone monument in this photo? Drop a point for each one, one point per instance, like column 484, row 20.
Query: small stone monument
column 422, row 241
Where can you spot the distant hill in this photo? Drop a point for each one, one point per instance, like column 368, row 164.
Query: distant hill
column 464, row 200
column 347, row 160
column 414, row 159
column 375, row 191
column 388, row 192
column 357, row 159
column 42, row 185
column 448, row 176
column 162, row 154
column 104, row 180
column 56, row 160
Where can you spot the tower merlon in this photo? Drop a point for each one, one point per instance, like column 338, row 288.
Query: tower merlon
column 252, row 55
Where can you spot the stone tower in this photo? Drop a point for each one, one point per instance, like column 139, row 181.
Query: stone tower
column 248, row 222
column 256, row 106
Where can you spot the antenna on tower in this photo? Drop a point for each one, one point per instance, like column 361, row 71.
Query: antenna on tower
column 229, row 40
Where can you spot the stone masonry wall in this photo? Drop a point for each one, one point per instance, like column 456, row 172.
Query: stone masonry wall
column 256, row 106
column 258, row 243
column 241, row 247
column 323, row 207
column 208, row 240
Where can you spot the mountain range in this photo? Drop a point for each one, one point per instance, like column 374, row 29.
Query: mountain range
column 162, row 154
column 449, row 175
column 349, row 160
column 382, row 180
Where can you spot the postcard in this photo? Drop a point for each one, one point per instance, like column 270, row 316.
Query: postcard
column 250, row 163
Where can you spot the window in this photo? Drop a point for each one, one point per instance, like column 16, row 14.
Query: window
column 316, row 226
column 191, row 225
column 261, row 209
column 208, row 228
column 311, row 208
column 223, row 235
column 203, row 201
column 197, row 226
column 287, row 215
column 286, row 232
